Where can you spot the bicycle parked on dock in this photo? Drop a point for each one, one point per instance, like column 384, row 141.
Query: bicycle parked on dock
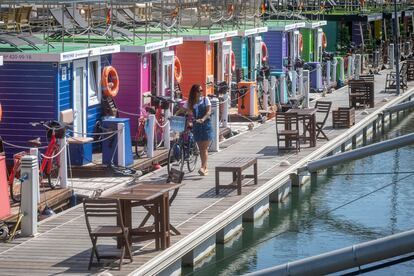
column 183, row 149
column 49, row 161
column 157, row 107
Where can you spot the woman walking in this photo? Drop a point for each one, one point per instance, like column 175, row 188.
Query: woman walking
column 200, row 107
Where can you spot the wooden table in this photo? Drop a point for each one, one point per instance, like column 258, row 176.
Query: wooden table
column 155, row 199
column 308, row 116
column 236, row 166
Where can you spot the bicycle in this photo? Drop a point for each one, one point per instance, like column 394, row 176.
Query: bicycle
column 184, row 148
column 158, row 105
column 49, row 161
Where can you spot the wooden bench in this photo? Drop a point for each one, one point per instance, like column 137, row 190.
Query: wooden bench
column 236, row 166
column 361, row 93
column 343, row 117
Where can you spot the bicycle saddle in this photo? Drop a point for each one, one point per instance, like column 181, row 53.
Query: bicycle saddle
column 150, row 110
column 34, row 143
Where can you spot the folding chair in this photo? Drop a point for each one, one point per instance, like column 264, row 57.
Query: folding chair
column 107, row 208
column 322, row 108
column 391, row 79
column 287, row 130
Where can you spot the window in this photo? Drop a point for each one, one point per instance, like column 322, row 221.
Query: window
column 94, row 81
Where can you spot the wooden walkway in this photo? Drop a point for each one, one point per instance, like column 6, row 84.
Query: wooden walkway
column 63, row 245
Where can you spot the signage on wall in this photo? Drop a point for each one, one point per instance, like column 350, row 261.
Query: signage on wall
column 63, row 73
column 144, row 62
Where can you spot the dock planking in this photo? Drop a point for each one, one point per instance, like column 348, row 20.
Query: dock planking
column 63, row 244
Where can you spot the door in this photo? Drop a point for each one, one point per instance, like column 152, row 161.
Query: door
column 79, row 98
column 167, row 74
column 225, row 62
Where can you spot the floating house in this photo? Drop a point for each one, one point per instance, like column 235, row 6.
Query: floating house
column 36, row 84
column 146, row 67
column 247, row 50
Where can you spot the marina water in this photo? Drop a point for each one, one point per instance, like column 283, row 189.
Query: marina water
column 359, row 201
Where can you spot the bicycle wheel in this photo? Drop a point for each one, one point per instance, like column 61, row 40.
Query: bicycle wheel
column 52, row 172
column 140, row 141
column 193, row 153
column 15, row 188
column 159, row 134
column 175, row 157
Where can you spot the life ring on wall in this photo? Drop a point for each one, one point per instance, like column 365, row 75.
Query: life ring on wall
column 264, row 52
column 110, row 81
column 230, row 9
column 233, row 61
column 324, row 41
column 1, row 112
column 178, row 70
column 300, row 42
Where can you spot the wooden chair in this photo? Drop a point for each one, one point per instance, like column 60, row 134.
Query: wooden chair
column 322, row 108
column 391, row 79
column 175, row 176
column 9, row 20
column 287, row 130
column 106, row 208
column 361, row 93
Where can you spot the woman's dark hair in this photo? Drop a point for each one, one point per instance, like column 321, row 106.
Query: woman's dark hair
column 192, row 97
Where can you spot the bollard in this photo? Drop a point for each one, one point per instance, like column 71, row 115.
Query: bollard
column 357, row 66
column 215, row 123
column 319, row 83
column 282, row 87
column 334, row 64
column 294, row 82
column 225, row 114
column 391, row 56
column 30, row 191
column 306, row 86
column 328, row 73
column 121, row 144
column 167, row 114
column 150, row 131
column 273, row 83
column 300, row 81
column 63, row 169
column 35, row 152
column 265, row 94
column 252, row 96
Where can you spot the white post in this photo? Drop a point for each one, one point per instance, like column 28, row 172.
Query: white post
column 30, row 191
column 215, row 123
column 358, row 61
column 265, row 94
column 121, row 144
column 334, row 64
column 252, row 94
column 63, row 169
column 328, row 73
column 391, row 56
column 35, row 152
column 273, row 83
column 167, row 115
column 294, row 79
column 282, row 88
column 225, row 115
column 150, row 131
column 300, row 81
column 318, row 76
column 306, row 78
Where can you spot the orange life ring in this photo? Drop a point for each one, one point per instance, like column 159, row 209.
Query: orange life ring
column 110, row 81
column 178, row 70
column 1, row 112
column 264, row 52
column 233, row 61
column 324, row 41
column 230, row 9
column 300, row 42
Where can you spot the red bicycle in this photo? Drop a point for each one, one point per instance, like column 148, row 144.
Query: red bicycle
column 49, row 161
column 157, row 107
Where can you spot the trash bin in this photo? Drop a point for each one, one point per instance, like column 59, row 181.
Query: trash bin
column 110, row 146
column 281, row 88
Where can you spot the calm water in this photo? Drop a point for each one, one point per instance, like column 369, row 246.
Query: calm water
column 312, row 220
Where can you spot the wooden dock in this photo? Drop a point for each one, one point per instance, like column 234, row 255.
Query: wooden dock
column 63, row 244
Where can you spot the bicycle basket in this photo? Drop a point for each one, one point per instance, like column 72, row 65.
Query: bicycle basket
column 177, row 123
column 58, row 128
